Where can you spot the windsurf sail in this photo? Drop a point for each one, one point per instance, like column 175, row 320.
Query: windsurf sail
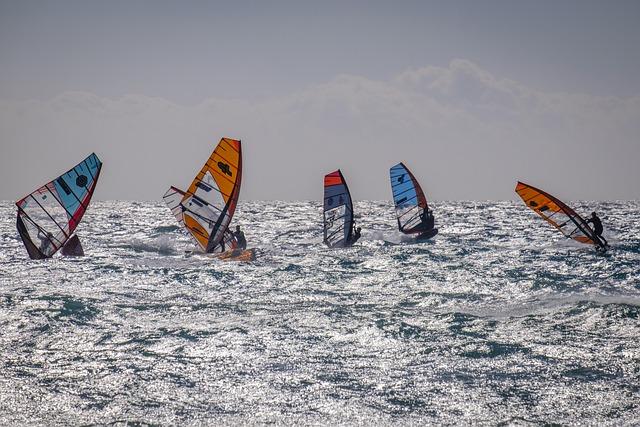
column 558, row 214
column 173, row 198
column 408, row 198
column 48, row 217
column 207, row 207
column 337, row 211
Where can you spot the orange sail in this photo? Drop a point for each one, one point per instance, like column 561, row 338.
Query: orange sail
column 557, row 214
column 207, row 207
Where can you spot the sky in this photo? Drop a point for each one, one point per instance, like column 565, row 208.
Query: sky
column 471, row 95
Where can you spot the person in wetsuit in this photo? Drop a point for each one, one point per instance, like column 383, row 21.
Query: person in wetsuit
column 427, row 219
column 240, row 239
column 355, row 234
column 597, row 227
column 46, row 240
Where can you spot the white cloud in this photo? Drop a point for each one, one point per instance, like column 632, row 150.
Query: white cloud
column 464, row 132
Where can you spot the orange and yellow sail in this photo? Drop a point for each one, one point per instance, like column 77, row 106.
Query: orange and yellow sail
column 207, row 207
column 558, row 214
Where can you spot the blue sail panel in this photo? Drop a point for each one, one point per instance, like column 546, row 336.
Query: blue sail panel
column 402, row 186
column 73, row 186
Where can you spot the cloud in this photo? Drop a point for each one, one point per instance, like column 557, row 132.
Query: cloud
column 466, row 133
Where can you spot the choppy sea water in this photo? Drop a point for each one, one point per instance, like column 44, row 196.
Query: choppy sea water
column 499, row 319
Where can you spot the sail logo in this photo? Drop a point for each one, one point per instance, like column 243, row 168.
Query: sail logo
column 224, row 167
column 542, row 208
column 203, row 186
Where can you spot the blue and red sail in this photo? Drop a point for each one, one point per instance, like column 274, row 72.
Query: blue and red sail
column 337, row 211
column 409, row 199
column 48, row 217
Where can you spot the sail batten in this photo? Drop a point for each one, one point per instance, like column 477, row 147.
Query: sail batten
column 48, row 217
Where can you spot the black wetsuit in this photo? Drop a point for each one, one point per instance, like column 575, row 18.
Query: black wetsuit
column 240, row 240
column 430, row 221
column 597, row 228
column 427, row 220
column 354, row 237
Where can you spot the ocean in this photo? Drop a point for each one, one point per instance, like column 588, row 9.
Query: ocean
column 499, row 320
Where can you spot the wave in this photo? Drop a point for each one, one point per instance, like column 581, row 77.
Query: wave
column 552, row 303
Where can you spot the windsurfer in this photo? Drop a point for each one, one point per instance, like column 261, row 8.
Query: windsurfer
column 240, row 239
column 46, row 239
column 597, row 227
column 355, row 234
column 427, row 218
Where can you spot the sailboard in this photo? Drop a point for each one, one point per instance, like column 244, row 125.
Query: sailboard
column 48, row 217
column 558, row 214
column 206, row 208
column 410, row 202
column 337, row 211
column 238, row 255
